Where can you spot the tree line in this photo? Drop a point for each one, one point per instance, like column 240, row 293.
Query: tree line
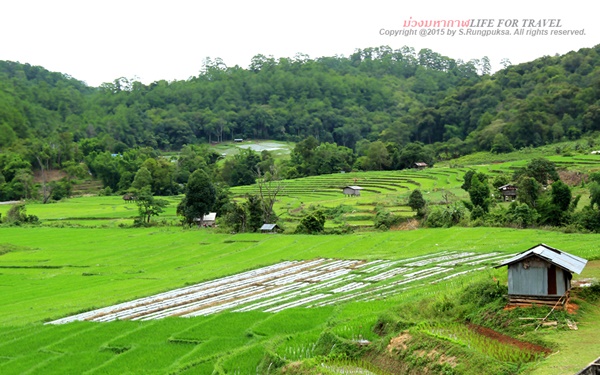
column 376, row 94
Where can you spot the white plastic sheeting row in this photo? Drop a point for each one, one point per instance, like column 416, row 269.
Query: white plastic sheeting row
column 317, row 282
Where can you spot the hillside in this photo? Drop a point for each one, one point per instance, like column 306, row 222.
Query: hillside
column 378, row 93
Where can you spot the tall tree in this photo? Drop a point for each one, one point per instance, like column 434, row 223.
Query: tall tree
column 254, row 207
column 43, row 154
column 479, row 192
column 542, row 170
column 200, row 196
column 378, row 156
column 142, row 179
column 148, row 205
column 528, row 190
column 416, row 201
column 269, row 187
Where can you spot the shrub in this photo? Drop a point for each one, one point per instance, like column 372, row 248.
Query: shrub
column 60, row 189
column 311, row 223
column 483, row 293
column 416, row 201
column 445, row 216
column 521, row 215
column 589, row 219
column 384, row 219
column 107, row 191
column 591, row 293
column 477, row 213
column 17, row 215
column 337, row 212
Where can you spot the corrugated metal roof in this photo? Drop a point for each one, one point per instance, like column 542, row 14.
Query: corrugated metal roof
column 268, row 226
column 506, row 187
column 560, row 258
column 211, row 216
column 354, row 187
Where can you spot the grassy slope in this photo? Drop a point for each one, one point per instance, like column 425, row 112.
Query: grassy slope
column 103, row 266
column 121, row 264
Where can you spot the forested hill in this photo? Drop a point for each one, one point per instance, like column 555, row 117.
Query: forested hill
column 382, row 94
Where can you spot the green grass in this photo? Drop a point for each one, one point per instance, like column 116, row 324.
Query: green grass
column 48, row 272
column 90, row 210
column 42, row 279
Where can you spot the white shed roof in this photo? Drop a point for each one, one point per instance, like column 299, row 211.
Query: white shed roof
column 211, row 216
column 353, row 187
column 560, row 258
column 506, row 187
column 268, row 226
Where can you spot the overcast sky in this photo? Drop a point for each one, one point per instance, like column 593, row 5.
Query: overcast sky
column 99, row 41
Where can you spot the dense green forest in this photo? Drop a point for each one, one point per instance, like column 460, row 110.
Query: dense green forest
column 377, row 109
column 398, row 96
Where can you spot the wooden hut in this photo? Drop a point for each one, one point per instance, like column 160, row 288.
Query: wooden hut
column 208, row 220
column 352, row 190
column 541, row 275
column 420, row 165
column 269, row 228
column 128, row 197
column 509, row 192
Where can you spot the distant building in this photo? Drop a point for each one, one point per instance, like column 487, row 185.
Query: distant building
column 208, row 220
column 129, row 197
column 238, row 140
column 420, row 165
column 509, row 192
column 352, row 190
column 269, row 228
column 541, row 275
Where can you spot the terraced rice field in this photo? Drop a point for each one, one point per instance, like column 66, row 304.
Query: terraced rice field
column 387, row 188
column 289, row 284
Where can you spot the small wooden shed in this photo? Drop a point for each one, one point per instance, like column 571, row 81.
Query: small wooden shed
column 128, row 197
column 509, row 192
column 420, row 165
column 541, row 274
column 208, row 220
column 269, row 228
column 352, row 190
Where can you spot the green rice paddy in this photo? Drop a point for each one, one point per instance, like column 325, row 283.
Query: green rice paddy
column 47, row 273
column 80, row 259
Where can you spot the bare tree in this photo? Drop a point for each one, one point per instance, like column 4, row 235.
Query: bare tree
column 269, row 186
column 42, row 152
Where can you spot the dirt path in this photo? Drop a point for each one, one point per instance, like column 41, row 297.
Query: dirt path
column 509, row 340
